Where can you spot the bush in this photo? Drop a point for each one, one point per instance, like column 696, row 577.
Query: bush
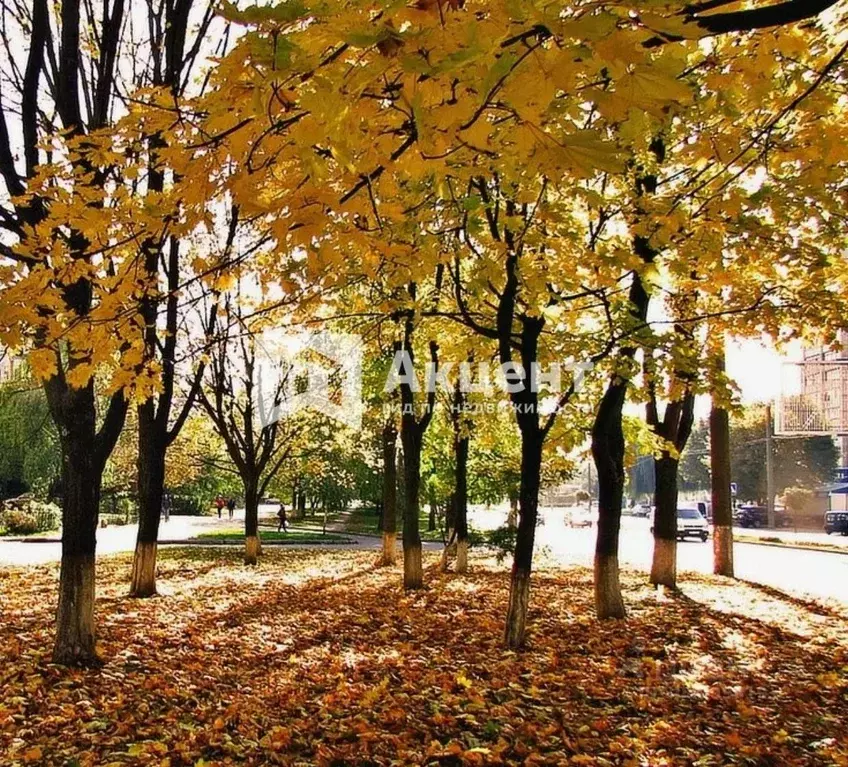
column 20, row 523
column 115, row 506
column 107, row 520
column 30, row 517
column 502, row 539
column 187, row 505
column 798, row 500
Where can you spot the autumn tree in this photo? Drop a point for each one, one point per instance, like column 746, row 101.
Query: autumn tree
column 461, row 425
column 538, row 149
column 245, row 409
column 414, row 420
column 163, row 255
column 53, row 279
column 388, row 510
column 673, row 428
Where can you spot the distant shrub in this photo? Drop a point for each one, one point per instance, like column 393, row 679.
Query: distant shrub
column 127, row 508
column 187, row 505
column 502, row 539
column 798, row 500
column 118, row 508
column 112, row 519
column 29, row 517
column 20, row 523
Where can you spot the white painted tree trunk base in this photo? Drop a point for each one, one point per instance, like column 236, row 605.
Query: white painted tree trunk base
column 664, row 566
column 143, row 582
column 608, row 601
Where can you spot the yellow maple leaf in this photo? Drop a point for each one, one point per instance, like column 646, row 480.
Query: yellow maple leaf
column 43, row 362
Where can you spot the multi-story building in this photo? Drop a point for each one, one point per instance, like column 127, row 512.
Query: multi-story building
column 822, row 406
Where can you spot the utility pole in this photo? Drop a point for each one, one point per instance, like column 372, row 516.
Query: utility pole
column 769, row 469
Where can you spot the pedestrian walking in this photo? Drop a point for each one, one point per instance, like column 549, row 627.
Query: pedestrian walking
column 281, row 515
column 231, row 507
column 219, row 504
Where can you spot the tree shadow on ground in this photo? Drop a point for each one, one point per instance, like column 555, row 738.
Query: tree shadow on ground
column 325, row 660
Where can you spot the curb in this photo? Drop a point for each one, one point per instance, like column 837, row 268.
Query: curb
column 796, row 546
column 240, row 542
column 30, row 540
column 203, row 542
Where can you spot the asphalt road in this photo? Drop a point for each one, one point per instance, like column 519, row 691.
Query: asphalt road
column 819, row 575
column 805, row 573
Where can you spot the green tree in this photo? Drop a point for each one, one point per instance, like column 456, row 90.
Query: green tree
column 806, row 462
column 694, row 463
column 30, row 457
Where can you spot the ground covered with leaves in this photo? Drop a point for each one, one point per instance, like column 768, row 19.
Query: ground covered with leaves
column 317, row 658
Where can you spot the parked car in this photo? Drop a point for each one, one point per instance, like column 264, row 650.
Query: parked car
column 643, row 510
column 750, row 515
column 836, row 522
column 690, row 522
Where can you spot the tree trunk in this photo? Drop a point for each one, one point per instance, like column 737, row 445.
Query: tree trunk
column 450, row 517
column 664, row 566
column 528, row 499
column 251, row 522
column 462, row 556
column 608, row 448
column 721, row 501
column 608, row 454
column 388, row 556
column 413, row 576
column 512, row 516
column 81, row 477
column 412, row 431
column 151, row 483
column 401, row 486
column 450, row 533
column 431, row 519
column 460, row 504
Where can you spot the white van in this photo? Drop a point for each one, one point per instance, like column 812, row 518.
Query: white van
column 690, row 523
